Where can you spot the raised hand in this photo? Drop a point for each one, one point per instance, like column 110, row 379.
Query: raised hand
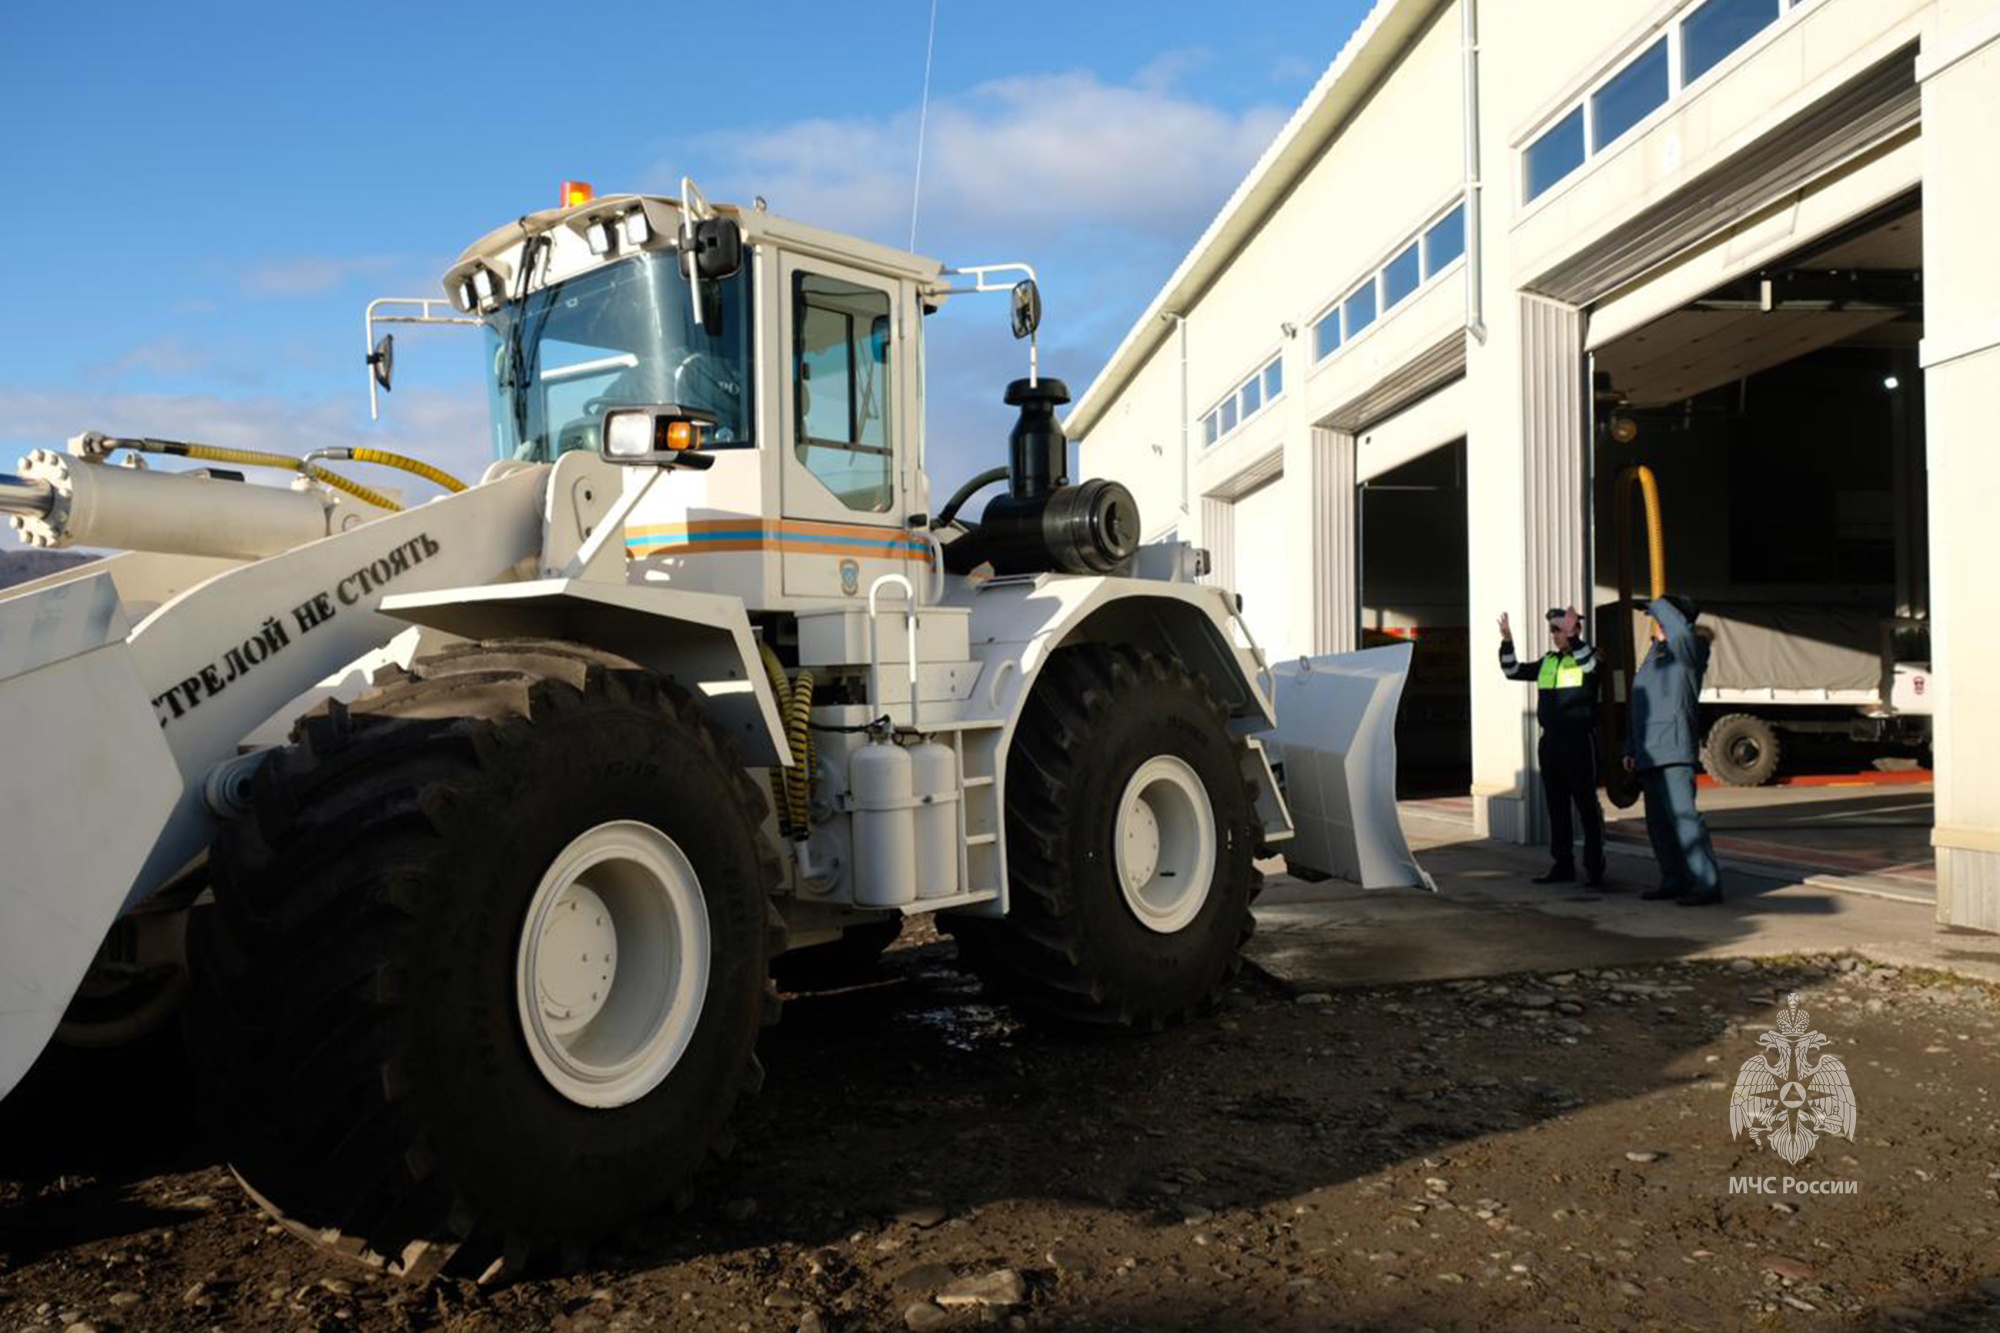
column 1506, row 630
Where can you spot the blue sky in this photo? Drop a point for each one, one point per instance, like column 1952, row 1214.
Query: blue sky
column 206, row 195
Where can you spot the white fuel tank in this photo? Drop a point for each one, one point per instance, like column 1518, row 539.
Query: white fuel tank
column 882, row 779
column 934, row 774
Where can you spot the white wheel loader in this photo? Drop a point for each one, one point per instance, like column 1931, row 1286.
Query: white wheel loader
column 485, row 818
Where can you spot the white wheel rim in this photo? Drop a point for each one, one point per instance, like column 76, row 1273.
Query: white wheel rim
column 1164, row 844
column 613, row 964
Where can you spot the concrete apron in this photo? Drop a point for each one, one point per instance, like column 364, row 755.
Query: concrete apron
column 1487, row 920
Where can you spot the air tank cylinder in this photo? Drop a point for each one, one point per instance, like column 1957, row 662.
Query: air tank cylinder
column 881, row 776
column 934, row 773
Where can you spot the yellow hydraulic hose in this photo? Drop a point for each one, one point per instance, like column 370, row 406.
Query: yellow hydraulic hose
column 798, row 736
column 353, row 488
column 791, row 789
column 213, row 453
column 417, row 466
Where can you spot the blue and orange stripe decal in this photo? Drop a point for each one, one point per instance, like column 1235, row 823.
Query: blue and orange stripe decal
column 714, row 536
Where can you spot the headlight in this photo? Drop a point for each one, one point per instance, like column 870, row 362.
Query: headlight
column 628, row 434
column 669, row 436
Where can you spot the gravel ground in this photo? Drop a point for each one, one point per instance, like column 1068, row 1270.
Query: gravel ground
column 1529, row 1152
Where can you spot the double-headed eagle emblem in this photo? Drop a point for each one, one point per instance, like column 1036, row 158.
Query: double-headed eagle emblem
column 1780, row 1096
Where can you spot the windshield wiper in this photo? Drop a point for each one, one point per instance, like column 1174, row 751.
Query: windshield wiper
column 517, row 337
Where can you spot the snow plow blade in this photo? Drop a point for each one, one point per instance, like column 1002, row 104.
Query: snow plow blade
column 1336, row 735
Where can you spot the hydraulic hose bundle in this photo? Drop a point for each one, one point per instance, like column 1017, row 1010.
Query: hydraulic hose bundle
column 791, row 788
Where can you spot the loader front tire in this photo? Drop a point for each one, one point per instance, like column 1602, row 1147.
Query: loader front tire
column 487, row 962
column 1130, row 837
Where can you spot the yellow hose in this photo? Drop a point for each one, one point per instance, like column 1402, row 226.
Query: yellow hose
column 798, row 735
column 791, row 789
column 215, row 453
column 407, row 464
column 353, row 488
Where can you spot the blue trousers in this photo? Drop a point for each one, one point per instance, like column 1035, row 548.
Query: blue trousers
column 1678, row 833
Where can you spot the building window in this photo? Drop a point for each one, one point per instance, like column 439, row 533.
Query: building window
column 1326, row 335
column 1715, row 30
column 1704, row 34
column 1422, row 257
column 1245, row 401
column 1403, row 275
column 1557, row 153
column 1445, row 241
column 1631, row 95
column 1358, row 310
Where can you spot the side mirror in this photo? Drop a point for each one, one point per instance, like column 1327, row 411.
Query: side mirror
column 382, row 361
column 715, row 249
column 1027, row 308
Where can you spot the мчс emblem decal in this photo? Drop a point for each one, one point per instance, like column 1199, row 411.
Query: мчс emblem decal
column 1785, row 1097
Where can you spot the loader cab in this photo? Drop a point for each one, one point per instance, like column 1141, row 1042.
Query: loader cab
column 804, row 367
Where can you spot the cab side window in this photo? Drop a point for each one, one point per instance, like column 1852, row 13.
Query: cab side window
column 841, row 382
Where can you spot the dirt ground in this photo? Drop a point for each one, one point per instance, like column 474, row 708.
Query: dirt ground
column 1530, row 1152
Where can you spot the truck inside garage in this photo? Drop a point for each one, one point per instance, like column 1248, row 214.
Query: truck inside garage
column 1782, row 416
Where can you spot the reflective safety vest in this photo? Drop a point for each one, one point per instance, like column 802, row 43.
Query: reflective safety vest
column 1559, row 673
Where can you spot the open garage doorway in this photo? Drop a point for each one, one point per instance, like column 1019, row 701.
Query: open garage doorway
column 1783, row 417
column 1415, row 589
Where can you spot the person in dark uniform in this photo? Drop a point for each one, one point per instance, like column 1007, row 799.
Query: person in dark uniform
column 1661, row 746
column 1566, row 706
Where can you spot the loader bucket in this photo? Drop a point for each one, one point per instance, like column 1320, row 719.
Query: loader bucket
column 1336, row 735
column 86, row 780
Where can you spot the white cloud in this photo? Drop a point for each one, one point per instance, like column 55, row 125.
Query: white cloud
column 311, row 275
column 163, row 356
column 1025, row 157
column 446, row 430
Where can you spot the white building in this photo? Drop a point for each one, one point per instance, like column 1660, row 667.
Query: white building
column 1758, row 224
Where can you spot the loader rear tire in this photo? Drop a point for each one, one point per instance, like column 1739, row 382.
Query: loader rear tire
column 364, row 991
column 1131, row 832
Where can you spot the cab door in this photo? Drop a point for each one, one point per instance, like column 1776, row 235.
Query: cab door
column 845, row 403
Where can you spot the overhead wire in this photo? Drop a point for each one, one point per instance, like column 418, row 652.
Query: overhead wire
column 923, row 116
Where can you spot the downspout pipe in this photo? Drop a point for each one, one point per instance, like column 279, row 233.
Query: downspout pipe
column 1475, row 293
column 1187, row 463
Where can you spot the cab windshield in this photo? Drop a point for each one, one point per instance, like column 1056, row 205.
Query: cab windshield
column 619, row 336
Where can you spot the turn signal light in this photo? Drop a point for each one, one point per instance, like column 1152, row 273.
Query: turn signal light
column 683, row 435
column 574, row 193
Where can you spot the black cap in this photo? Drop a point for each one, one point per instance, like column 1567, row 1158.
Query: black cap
column 1556, row 613
column 1687, row 606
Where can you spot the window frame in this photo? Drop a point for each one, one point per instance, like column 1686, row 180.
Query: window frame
column 858, row 339
column 1427, row 274
column 1668, row 29
column 1213, row 429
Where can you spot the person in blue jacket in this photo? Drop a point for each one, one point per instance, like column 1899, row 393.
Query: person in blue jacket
column 1661, row 746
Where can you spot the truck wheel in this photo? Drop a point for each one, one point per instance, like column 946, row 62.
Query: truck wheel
column 1130, row 832
column 1741, row 751
column 487, row 961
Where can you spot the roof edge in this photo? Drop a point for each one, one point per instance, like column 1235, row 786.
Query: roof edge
column 1354, row 73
